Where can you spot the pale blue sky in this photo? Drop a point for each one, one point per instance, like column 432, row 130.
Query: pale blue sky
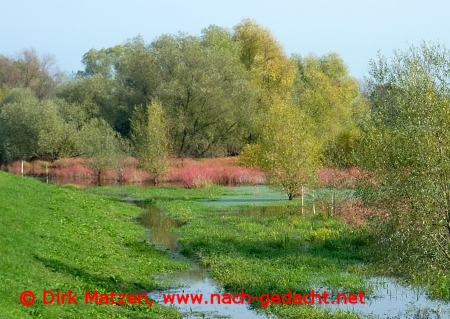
column 355, row 29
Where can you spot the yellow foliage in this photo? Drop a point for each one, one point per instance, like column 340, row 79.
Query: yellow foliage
column 290, row 153
column 251, row 155
column 271, row 71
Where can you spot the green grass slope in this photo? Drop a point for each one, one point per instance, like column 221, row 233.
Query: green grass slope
column 61, row 238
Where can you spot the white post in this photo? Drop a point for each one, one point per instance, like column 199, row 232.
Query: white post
column 332, row 203
column 314, row 203
column 21, row 170
column 302, row 198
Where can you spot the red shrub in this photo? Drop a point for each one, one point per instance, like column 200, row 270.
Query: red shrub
column 353, row 211
column 16, row 168
column 340, row 178
column 130, row 162
column 221, row 171
column 68, row 161
column 39, row 167
column 133, row 175
column 75, row 171
column 185, row 171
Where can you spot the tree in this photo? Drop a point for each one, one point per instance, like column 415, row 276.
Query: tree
column 407, row 149
column 272, row 73
column 28, row 70
column 150, row 138
column 205, row 93
column 104, row 62
column 96, row 94
column 325, row 92
column 31, row 129
column 101, row 145
column 289, row 152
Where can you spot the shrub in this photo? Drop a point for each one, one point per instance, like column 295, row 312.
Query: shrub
column 221, row 171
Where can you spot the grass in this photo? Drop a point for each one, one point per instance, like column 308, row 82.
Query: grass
column 60, row 238
column 66, row 238
column 265, row 253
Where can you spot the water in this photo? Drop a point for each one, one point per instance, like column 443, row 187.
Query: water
column 193, row 281
column 393, row 300
column 389, row 300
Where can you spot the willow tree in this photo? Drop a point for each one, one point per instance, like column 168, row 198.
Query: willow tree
column 408, row 150
column 271, row 71
column 325, row 91
column 150, row 138
column 289, row 152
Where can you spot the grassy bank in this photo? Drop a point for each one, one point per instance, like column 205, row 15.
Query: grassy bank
column 60, row 238
column 64, row 238
column 272, row 250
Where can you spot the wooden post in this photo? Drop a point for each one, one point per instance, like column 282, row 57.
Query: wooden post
column 46, row 171
column 21, row 170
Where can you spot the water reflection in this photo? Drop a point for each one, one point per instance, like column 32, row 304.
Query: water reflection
column 393, row 300
column 161, row 228
column 162, row 232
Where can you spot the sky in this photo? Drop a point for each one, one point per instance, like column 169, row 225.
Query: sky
column 355, row 29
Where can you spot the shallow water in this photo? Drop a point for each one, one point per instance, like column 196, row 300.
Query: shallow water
column 393, row 300
column 192, row 281
column 389, row 300
column 161, row 228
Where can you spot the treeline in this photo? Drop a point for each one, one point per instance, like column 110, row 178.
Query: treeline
column 215, row 92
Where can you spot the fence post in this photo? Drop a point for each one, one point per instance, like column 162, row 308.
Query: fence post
column 46, row 171
column 314, row 203
column 332, row 202
column 302, row 198
column 21, row 169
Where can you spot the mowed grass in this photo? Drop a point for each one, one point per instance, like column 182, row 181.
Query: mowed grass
column 60, row 238
column 265, row 253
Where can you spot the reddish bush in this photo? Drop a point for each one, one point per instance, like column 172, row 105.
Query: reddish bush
column 16, row 168
column 340, row 178
column 130, row 162
column 68, row 162
column 353, row 211
column 75, row 171
column 39, row 167
column 132, row 175
column 187, row 172
column 221, row 171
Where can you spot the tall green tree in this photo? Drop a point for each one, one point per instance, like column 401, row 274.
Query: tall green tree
column 326, row 93
column 407, row 149
column 329, row 96
column 204, row 90
column 289, row 152
column 150, row 138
